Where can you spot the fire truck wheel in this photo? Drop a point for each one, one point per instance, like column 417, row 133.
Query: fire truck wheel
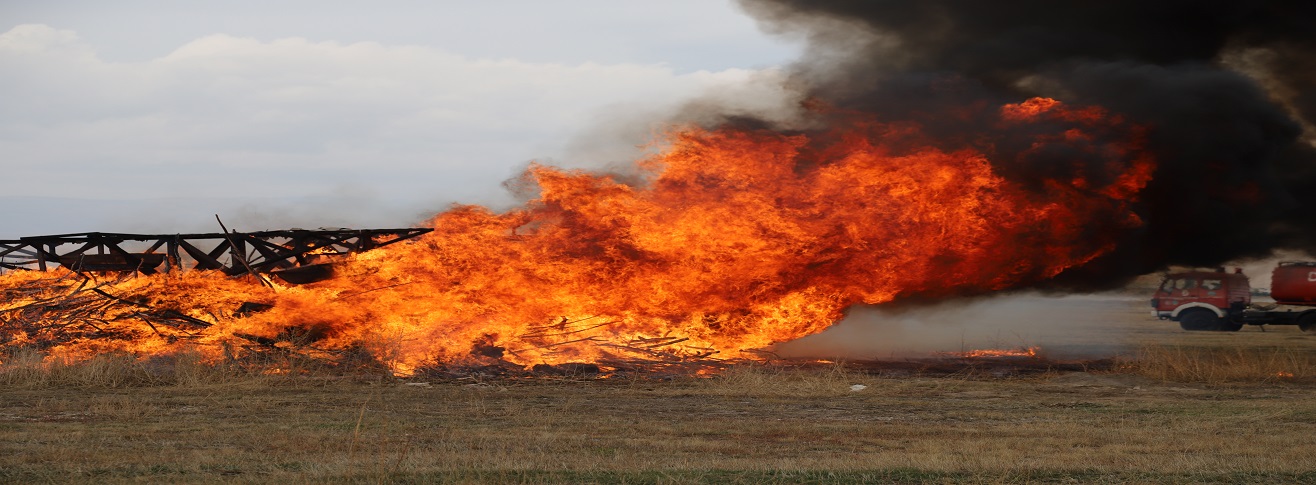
column 1307, row 323
column 1199, row 319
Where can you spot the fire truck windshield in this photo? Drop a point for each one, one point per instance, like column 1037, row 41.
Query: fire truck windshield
column 1173, row 284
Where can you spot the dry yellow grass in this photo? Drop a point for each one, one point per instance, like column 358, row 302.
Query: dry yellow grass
column 1219, row 365
column 116, row 420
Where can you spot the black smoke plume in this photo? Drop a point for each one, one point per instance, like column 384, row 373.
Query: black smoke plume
column 1227, row 90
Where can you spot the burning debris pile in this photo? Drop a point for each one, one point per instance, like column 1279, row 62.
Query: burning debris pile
column 77, row 315
column 102, row 297
column 942, row 149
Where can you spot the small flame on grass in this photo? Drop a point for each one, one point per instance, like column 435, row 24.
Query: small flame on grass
column 994, row 353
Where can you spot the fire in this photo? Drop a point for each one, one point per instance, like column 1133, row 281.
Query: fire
column 725, row 240
column 995, row 353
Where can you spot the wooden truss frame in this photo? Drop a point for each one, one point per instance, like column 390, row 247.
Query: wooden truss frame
column 246, row 252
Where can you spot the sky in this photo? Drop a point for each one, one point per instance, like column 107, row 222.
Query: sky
column 153, row 116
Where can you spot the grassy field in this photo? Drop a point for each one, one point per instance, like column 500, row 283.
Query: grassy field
column 1176, row 408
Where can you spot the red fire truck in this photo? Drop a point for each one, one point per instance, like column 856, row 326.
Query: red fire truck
column 1221, row 301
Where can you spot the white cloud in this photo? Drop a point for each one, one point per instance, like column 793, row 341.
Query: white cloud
column 39, row 38
column 225, row 116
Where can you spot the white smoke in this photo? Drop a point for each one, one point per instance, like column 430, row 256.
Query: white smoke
column 1075, row 326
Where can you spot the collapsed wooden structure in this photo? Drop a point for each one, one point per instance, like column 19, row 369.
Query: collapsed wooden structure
column 89, row 313
column 100, row 305
column 234, row 253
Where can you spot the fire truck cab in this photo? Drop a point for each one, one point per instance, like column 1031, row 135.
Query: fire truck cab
column 1203, row 300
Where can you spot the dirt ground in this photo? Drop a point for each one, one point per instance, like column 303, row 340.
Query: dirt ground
column 1126, row 422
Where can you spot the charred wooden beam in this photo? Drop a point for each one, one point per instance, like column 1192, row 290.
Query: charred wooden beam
column 203, row 259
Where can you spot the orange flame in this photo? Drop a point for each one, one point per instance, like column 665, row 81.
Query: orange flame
column 734, row 240
column 995, row 353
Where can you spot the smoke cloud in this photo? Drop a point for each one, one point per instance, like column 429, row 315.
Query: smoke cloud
column 1066, row 327
column 1226, row 91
